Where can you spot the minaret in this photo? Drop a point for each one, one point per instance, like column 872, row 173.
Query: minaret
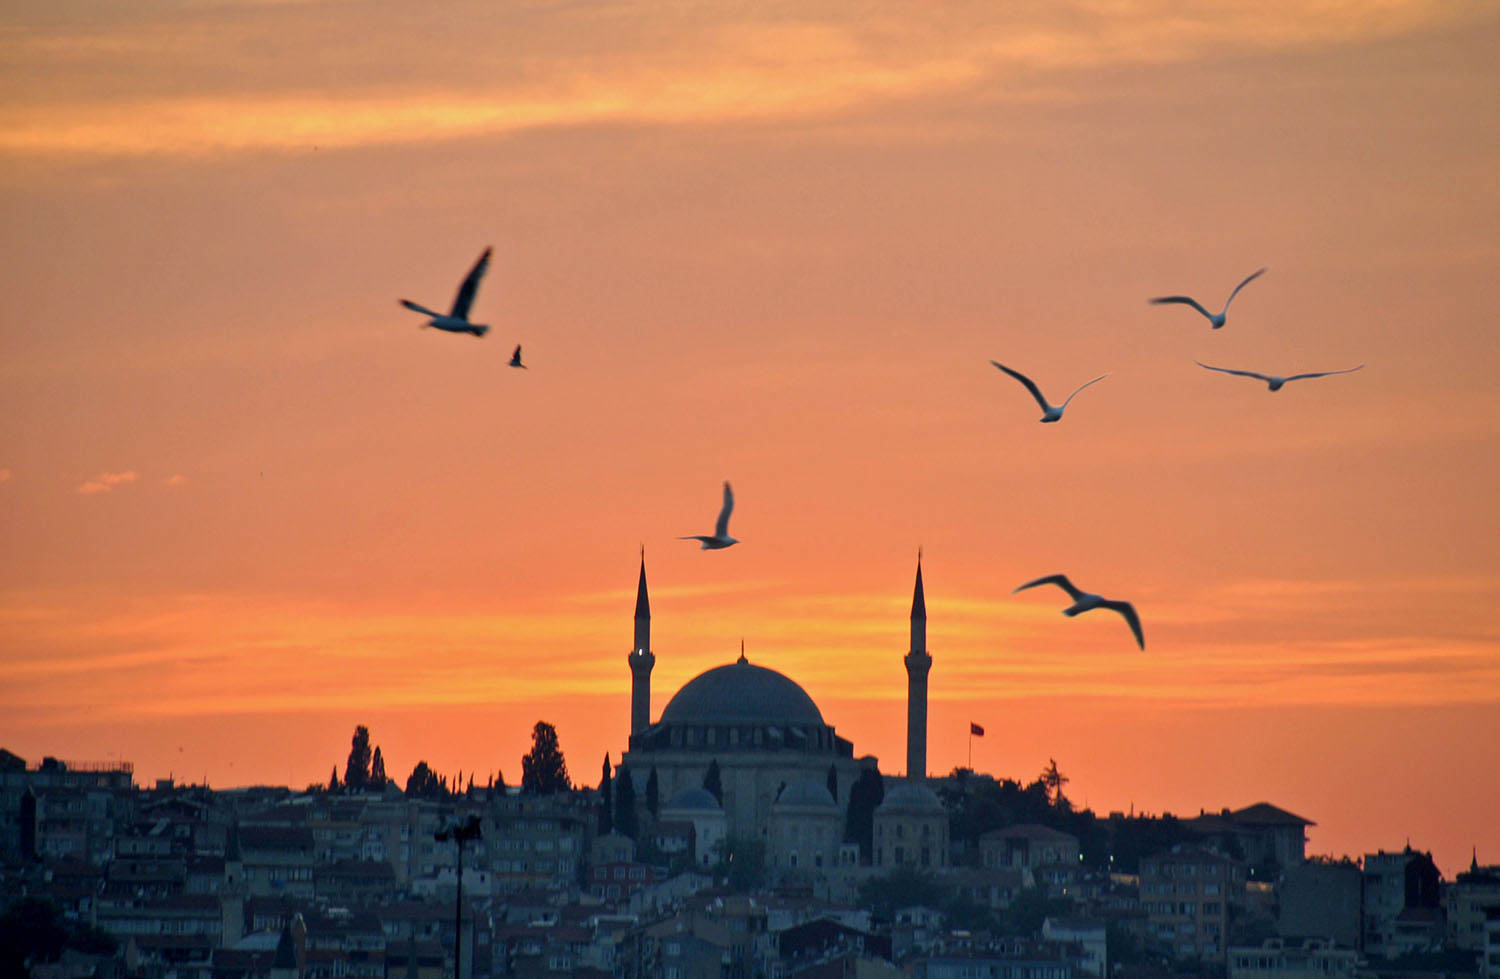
column 918, row 663
column 641, row 660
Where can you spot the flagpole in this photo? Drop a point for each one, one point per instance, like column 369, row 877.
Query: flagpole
column 971, row 746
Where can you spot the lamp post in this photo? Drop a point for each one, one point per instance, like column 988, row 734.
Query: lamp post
column 459, row 833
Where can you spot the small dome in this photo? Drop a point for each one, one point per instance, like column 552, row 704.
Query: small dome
column 806, row 792
column 740, row 693
column 694, row 798
column 912, row 795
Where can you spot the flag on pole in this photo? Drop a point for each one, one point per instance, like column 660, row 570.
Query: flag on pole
column 975, row 729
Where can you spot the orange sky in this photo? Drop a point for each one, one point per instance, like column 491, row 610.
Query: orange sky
column 245, row 504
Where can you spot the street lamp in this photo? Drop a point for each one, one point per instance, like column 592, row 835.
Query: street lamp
column 459, row 833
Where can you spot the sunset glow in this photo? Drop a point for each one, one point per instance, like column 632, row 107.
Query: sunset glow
column 245, row 504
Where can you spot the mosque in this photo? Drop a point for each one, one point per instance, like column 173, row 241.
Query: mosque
column 785, row 772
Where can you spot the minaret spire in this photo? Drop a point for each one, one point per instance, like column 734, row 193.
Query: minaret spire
column 918, row 664
column 641, row 659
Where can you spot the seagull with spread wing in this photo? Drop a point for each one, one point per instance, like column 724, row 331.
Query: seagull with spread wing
column 1050, row 412
column 721, row 538
column 457, row 320
column 1085, row 602
column 1216, row 320
column 515, row 358
column 1273, row 381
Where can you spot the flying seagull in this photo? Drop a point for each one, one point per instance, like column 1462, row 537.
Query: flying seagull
column 1050, row 412
column 457, row 320
column 1215, row 319
column 1272, row 381
column 1085, row 602
column 721, row 537
column 515, row 358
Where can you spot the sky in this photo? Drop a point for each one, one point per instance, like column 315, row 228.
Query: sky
column 246, row 504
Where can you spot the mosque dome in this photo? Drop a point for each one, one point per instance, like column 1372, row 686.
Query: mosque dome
column 911, row 796
column 741, row 693
column 806, row 792
column 695, row 798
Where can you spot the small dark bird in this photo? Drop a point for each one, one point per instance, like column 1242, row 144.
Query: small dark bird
column 1085, row 602
column 1050, row 412
column 1215, row 319
column 721, row 538
column 457, row 320
column 515, row 358
column 1273, row 381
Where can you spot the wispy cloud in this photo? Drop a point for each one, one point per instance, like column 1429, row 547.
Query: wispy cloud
column 706, row 69
column 176, row 479
column 104, row 482
column 5, row 475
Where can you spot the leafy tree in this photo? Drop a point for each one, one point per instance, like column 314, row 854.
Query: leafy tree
column 423, row 783
column 833, row 782
column 378, row 779
column 36, row 930
column 867, row 792
column 712, row 782
column 653, row 794
column 357, row 771
column 543, row 770
column 1029, row 909
column 606, row 801
column 1054, row 781
column 741, row 860
column 626, row 820
column 884, row 895
column 499, row 785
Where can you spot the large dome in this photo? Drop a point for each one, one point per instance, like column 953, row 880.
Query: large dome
column 739, row 693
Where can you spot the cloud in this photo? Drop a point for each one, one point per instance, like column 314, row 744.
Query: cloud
column 176, row 479
column 5, row 475
column 662, row 70
column 104, row 482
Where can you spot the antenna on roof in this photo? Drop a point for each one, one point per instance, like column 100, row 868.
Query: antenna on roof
column 742, row 650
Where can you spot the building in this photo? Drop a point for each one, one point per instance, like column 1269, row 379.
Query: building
column 1321, row 899
column 1466, row 899
column 1395, row 884
column 1277, row 959
column 911, row 828
column 1027, row 847
column 1186, row 893
column 766, row 735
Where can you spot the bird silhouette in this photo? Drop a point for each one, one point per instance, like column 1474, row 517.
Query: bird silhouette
column 1086, row 602
column 1050, row 412
column 1273, row 381
column 1215, row 319
column 515, row 358
column 720, row 538
column 457, row 320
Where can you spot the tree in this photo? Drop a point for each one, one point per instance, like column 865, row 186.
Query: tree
column 626, row 820
column 36, row 930
column 499, row 785
column 653, row 794
column 867, row 792
column 378, row 779
column 1054, row 781
column 357, row 772
column 333, row 780
column 543, row 770
column 741, row 860
column 423, row 783
column 606, row 801
column 712, row 782
column 833, row 782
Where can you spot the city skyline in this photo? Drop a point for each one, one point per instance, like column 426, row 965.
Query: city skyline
column 246, row 504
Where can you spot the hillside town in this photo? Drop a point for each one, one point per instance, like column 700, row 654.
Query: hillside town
column 738, row 836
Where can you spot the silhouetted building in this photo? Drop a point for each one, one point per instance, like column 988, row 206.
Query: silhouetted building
column 1320, row 899
column 1394, row 885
